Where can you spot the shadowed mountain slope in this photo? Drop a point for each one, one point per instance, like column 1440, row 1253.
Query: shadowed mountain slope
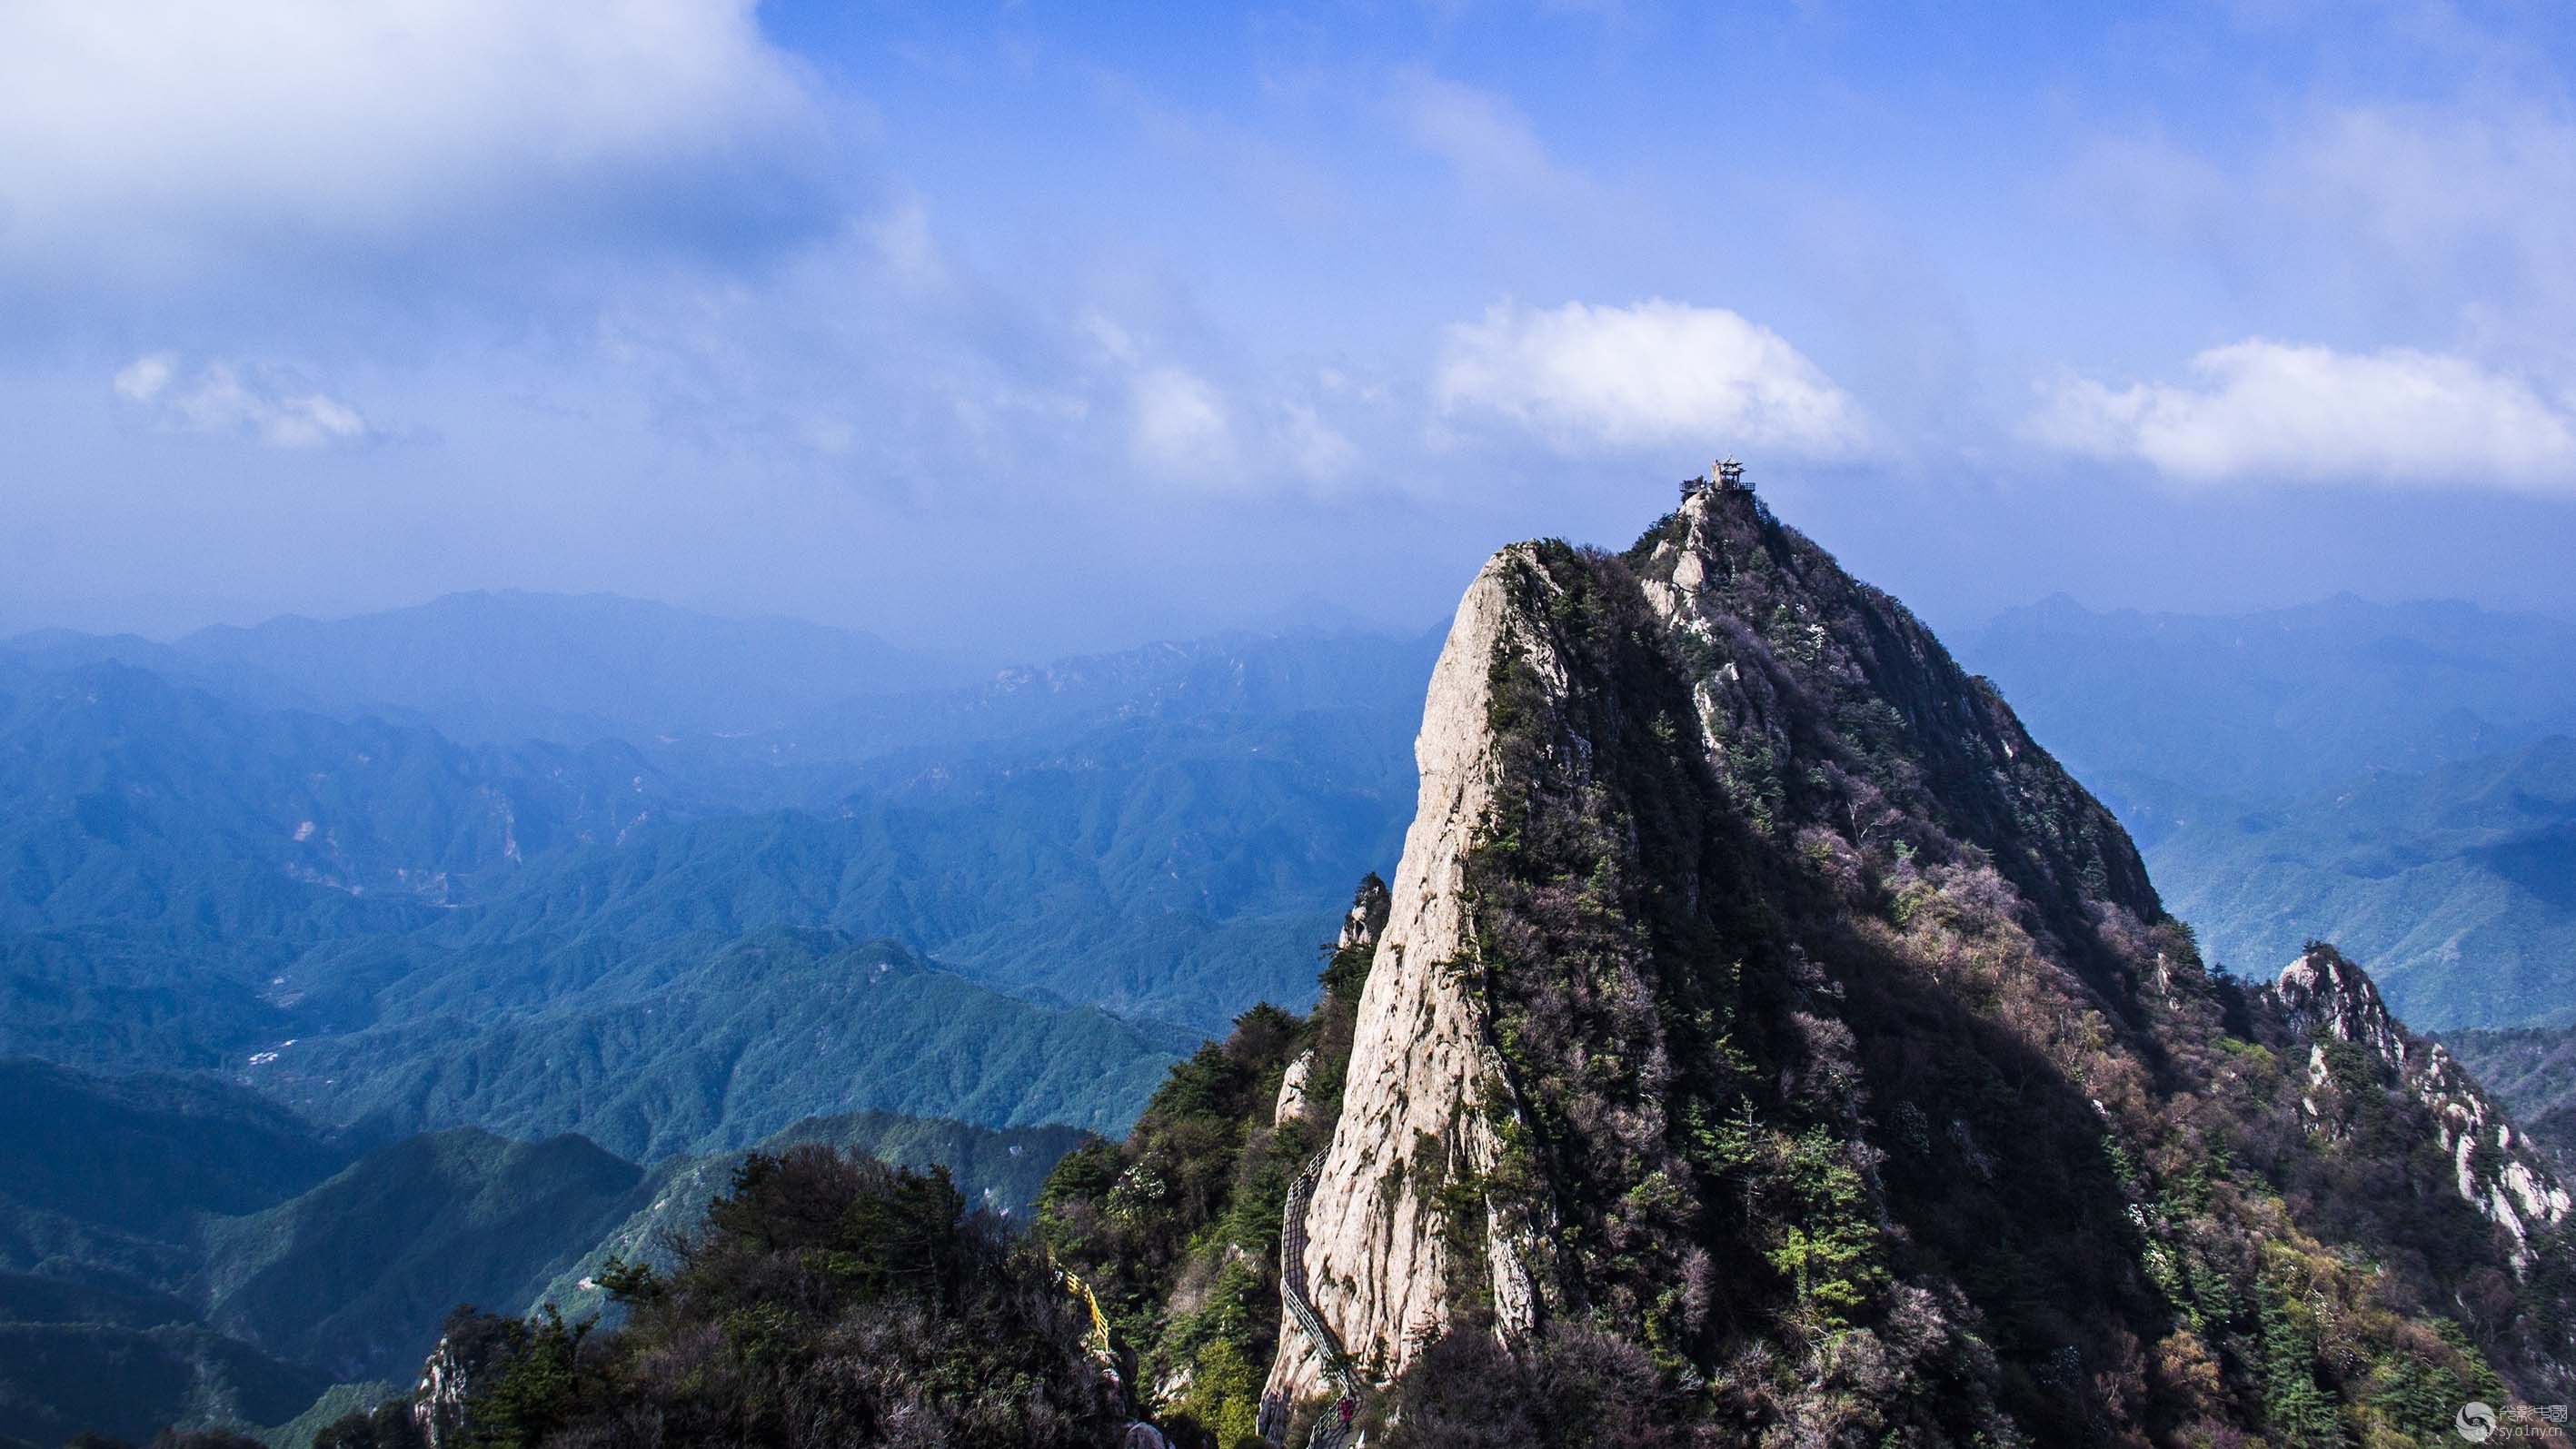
column 1767, row 1038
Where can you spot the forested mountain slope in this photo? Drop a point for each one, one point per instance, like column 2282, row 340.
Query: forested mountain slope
column 1762, row 1040
column 176, row 1249
column 1768, row 1039
column 2459, row 883
column 707, row 1042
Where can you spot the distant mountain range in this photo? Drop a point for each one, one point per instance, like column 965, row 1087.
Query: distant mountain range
column 510, row 666
column 515, row 910
column 536, row 912
column 2462, row 878
column 2400, row 779
column 2283, row 702
column 173, row 1248
column 1161, row 831
column 1153, row 831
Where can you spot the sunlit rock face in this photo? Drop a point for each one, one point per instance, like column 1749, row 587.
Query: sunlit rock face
column 1379, row 1264
column 2329, row 999
column 1758, row 1000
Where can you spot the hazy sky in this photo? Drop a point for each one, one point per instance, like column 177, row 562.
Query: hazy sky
column 1045, row 326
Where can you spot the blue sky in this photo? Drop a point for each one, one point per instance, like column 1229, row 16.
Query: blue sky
column 1034, row 327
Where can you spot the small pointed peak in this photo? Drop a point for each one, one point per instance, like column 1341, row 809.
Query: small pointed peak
column 2323, row 971
column 2329, row 995
column 1367, row 916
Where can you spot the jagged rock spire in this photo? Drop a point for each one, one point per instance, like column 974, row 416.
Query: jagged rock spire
column 2328, row 998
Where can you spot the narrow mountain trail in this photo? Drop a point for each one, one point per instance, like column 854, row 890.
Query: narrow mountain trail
column 1103, row 1345
column 1334, row 1429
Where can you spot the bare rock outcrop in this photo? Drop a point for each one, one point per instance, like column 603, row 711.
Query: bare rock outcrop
column 1379, row 1260
column 2328, row 996
column 2329, row 999
column 1293, row 1104
column 1752, row 982
column 448, row 1380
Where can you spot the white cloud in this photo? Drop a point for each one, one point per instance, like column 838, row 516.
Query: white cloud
column 1313, row 447
column 910, row 252
column 1652, row 374
column 2409, row 215
column 1208, row 421
column 142, row 379
column 1182, row 427
column 220, row 401
column 157, row 133
column 1490, row 143
column 2260, row 411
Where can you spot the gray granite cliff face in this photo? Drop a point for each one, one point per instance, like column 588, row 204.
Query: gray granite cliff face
column 1726, row 880
column 1379, row 1263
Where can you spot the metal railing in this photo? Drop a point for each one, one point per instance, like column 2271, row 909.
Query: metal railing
column 1333, row 1430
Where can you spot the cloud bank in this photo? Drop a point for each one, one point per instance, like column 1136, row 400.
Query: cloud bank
column 153, row 137
column 225, row 399
column 1650, row 375
column 2258, row 411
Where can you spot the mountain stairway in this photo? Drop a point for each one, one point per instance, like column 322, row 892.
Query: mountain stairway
column 1334, row 1429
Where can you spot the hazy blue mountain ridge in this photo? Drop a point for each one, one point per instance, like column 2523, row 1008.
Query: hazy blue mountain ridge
column 104, row 1183
column 707, row 1043
column 181, row 1249
column 2282, row 701
column 144, row 1152
column 354, row 1275
column 508, row 665
column 2395, row 778
column 201, row 880
column 59, row 1379
column 136, row 799
column 2462, row 879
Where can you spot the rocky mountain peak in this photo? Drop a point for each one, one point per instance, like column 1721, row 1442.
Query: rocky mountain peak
column 2330, row 997
column 1750, row 992
column 2329, row 1002
column 1422, row 1087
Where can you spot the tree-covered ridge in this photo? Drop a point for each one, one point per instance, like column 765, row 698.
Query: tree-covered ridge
column 104, row 1183
column 180, row 1250
column 1001, row 1171
column 1862, row 1085
column 353, row 1275
column 1177, row 1228
column 825, row 1300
